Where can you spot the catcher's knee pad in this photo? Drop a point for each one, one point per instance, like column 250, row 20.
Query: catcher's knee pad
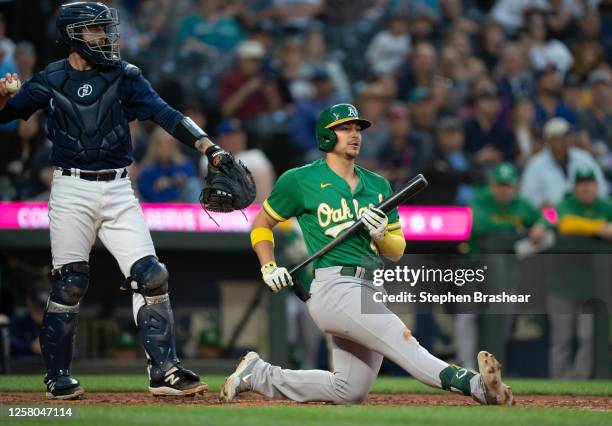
column 149, row 277
column 68, row 286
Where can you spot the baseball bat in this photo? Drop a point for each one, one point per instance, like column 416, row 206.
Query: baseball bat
column 413, row 187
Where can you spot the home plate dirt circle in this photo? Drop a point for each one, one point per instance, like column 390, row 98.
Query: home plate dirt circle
column 391, row 399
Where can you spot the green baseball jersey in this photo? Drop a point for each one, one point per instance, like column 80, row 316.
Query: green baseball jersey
column 325, row 207
column 491, row 216
column 600, row 209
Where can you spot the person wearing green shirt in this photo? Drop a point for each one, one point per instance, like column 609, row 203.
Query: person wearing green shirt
column 327, row 197
column 499, row 208
column 582, row 212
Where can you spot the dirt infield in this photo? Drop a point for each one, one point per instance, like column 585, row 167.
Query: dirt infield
column 211, row 398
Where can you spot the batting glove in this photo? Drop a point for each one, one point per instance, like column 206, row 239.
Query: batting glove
column 276, row 278
column 376, row 221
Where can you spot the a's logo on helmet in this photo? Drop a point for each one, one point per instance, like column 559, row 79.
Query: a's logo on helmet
column 85, row 90
column 352, row 111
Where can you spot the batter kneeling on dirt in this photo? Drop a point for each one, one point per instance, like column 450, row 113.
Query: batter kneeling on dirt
column 328, row 196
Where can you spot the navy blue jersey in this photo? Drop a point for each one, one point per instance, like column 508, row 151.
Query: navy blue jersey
column 88, row 112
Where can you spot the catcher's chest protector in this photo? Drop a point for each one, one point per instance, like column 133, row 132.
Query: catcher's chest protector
column 87, row 122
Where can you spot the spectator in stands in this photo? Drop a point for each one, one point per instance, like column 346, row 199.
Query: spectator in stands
column 418, row 71
column 500, row 208
column 487, row 138
column 407, row 152
column 25, row 326
column 6, row 66
column 209, row 30
column 373, row 102
column 453, row 17
column 421, row 24
column 389, row 48
column 30, row 136
column 246, row 91
column 544, row 51
column 526, row 135
column 492, row 40
column 167, row 175
column 596, row 120
column 292, row 83
column 304, row 118
column 317, row 58
column 423, row 112
column 559, row 18
column 496, row 209
column 548, row 102
column 232, row 137
column 511, row 13
column 582, row 212
column 513, row 76
column 588, row 55
column 548, row 175
column 449, row 172
column 572, row 93
column 25, row 60
column 6, row 44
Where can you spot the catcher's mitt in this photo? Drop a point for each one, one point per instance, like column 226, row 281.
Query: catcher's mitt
column 228, row 186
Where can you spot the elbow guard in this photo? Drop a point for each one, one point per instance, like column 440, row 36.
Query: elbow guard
column 187, row 132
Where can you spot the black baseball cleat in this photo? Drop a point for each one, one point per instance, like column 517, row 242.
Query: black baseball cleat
column 178, row 381
column 64, row 387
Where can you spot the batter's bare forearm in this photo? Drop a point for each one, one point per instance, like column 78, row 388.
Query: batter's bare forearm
column 203, row 144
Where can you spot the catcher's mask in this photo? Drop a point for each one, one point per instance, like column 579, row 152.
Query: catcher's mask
column 75, row 19
column 333, row 116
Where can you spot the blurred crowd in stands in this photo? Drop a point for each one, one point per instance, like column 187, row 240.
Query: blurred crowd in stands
column 453, row 88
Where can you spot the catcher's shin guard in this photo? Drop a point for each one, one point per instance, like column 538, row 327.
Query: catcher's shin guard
column 58, row 329
column 156, row 329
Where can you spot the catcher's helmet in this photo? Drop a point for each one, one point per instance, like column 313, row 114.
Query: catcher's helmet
column 73, row 18
column 333, row 116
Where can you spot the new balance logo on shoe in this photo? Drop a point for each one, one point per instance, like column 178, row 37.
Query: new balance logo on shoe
column 172, row 379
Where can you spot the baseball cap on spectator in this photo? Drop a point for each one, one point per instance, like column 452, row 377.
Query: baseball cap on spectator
column 600, row 76
column 419, row 94
column 229, row 126
column 449, row 124
column 583, row 174
column 556, row 127
column 251, row 49
column 505, row 174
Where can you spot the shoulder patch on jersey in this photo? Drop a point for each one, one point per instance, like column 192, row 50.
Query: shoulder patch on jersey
column 130, row 70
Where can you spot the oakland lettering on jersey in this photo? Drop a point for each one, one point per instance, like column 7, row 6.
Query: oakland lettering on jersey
column 327, row 214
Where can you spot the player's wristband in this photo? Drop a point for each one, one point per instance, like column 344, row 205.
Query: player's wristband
column 261, row 234
column 187, row 132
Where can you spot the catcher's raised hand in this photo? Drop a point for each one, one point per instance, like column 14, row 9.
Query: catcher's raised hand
column 229, row 185
column 276, row 278
column 376, row 221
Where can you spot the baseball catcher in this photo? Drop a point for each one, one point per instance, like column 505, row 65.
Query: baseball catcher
column 89, row 98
